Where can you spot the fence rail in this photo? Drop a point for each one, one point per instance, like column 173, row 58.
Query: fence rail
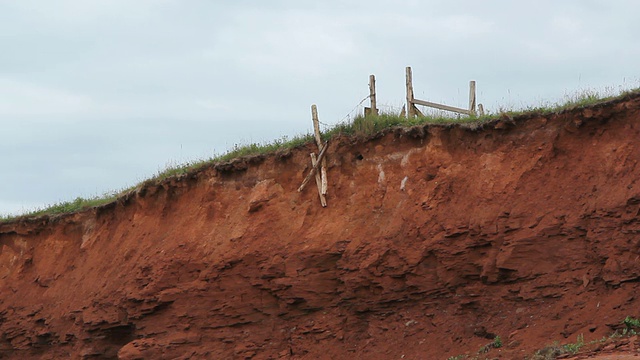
column 319, row 162
column 412, row 110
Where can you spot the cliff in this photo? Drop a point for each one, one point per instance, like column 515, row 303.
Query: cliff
column 436, row 239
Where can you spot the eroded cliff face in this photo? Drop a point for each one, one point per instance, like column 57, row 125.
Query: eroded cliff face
column 435, row 240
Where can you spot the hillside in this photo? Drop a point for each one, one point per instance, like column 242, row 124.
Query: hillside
column 436, row 239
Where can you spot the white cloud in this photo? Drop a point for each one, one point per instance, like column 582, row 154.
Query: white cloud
column 77, row 12
column 566, row 25
column 213, row 104
column 19, row 98
column 291, row 42
column 463, row 26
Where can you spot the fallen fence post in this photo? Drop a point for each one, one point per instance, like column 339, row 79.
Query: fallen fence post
column 316, row 130
column 323, row 200
column 314, row 168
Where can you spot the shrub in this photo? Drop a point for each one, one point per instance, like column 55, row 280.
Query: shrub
column 631, row 324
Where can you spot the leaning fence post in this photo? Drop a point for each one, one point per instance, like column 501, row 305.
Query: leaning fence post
column 316, row 130
column 314, row 163
column 472, row 98
column 410, row 107
column 314, row 168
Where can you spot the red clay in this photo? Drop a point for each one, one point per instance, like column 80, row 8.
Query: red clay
column 527, row 229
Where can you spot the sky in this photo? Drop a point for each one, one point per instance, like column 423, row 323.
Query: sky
column 98, row 95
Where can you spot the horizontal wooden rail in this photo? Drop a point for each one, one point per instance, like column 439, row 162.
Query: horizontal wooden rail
column 441, row 107
column 412, row 110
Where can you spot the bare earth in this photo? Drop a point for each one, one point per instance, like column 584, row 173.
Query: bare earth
column 527, row 229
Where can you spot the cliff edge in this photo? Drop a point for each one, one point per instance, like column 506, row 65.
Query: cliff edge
column 436, row 239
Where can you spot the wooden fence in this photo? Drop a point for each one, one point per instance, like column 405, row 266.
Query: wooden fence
column 319, row 162
column 412, row 110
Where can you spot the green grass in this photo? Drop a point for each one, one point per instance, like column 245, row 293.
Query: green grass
column 573, row 348
column 458, row 357
column 552, row 352
column 632, row 326
column 69, row 206
column 579, row 99
column 360, row 126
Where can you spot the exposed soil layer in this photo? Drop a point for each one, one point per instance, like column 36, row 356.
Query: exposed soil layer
column 436, row 239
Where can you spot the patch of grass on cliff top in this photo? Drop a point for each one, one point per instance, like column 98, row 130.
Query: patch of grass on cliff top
column 65, row 207
column 359, row 126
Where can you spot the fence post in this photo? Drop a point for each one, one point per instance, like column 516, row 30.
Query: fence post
column 316, row 130
column 314, row 163
column 410, row 107
column 372, row 95
column 472, row 98
column 314, row 168
column 316, row 124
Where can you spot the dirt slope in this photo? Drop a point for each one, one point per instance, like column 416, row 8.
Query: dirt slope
column 435, row 240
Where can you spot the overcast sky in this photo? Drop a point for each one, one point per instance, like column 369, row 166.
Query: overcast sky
column 97, row 95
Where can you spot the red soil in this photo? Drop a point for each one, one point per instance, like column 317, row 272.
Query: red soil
column 526, row 228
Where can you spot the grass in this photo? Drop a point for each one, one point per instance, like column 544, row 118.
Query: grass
column 573, row 348
column 68, row 206
column 555, row 350
column 631, row 326
column 360, row 126
column 171, row 170
column 552, row 352
column 495, row 344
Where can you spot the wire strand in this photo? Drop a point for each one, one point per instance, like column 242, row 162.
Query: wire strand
column 348, row 114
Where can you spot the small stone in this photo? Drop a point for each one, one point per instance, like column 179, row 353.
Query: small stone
column 410, row 322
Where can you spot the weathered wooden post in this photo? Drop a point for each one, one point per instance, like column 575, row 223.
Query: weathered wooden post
column 314, row 163
column 316, row 123
column 472, row 98
column 314, row 168
column 412, row 110
column 410, row 107
column 372, row 95
column 316, row 129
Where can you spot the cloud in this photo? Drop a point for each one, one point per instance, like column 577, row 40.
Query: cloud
column 19, row 98
column 82, row 12
column 454, row 27
column 214, row 105
column 293, row 42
